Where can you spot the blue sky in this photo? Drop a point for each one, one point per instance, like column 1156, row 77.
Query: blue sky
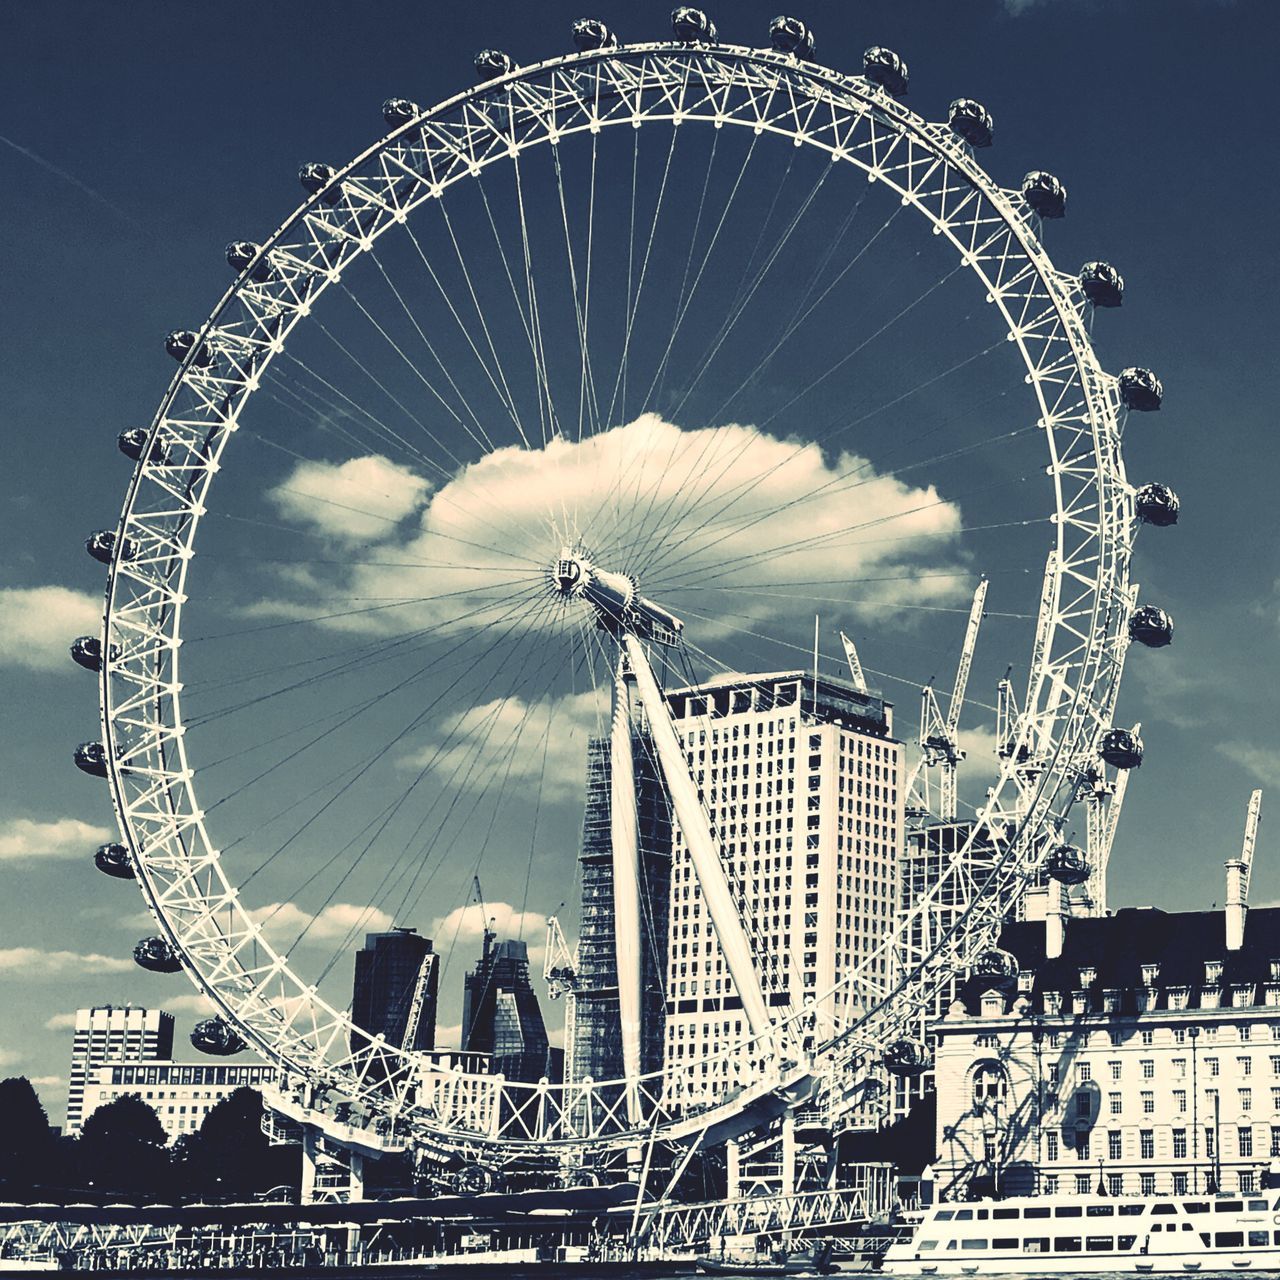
column 137, row 140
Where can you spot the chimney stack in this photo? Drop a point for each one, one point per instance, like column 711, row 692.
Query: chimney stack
column 1237, row 902
column 1055, row 923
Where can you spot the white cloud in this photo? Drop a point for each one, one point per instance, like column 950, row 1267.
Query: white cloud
column 1261, row 763
column 464, row 927
column 37, row 624
column 195, row 1002
column 61, row 1022
column 47, row 1082
column 9, row 1056
column 282, row 922
column 22, row 838
column 539, row 746
column 32, row 962
column 361, row 500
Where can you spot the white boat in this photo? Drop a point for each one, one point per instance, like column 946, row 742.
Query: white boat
column 1082, row 1235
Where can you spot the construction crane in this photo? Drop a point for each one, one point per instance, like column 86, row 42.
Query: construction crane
column 1103, row 797
column 560, row 972
column 940, row 735
column 855, row 665
column 419, row 1000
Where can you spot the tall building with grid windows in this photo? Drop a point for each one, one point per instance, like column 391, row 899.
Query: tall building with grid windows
column 110, row 1034
column 802, row 781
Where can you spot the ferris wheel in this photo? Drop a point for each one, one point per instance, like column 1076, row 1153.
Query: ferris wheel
column 591, row 384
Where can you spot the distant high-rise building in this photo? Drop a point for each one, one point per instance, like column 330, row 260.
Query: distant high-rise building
column 500, row 1012
column 387, row 970
column 106, row 1033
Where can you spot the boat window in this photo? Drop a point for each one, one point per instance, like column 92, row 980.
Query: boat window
column 944, row 1215
column 964, row 1215
column 1036, row 1211
column 1004, row 1213
column 981, row 1214
column 1275, row 1237
column 1196, row 1206
column 1098, row 1211
column 1130, row 1210
column 1067, row 1244
column 1005, row 1242
column 1228, row 1206
column 973, row 1244
column 951, row 1244
column 1040, row 1244
column 1228, row 1239
column 1098, row 1244
column 1258, row 1206
column 1257, row 1239
column 1127, row 1242
column 1204, row 1236
column 925, row 1245
column 1068, row 1211
column 1164, row 1208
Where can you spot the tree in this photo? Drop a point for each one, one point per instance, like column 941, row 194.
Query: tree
column 27, row 1144
column 122, row 1148
column 229, row 1155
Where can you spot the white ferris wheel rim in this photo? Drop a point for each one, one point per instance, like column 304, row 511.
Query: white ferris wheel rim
column 152, row 783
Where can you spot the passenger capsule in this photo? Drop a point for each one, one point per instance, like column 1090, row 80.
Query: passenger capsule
column 216, row 1036
column 133, row 441
column 1121, row 748
column 183, row 341
column 885, row 68
column 971, row 121
column 790, row 35
column 398, row 111
column 1067, row 865
column 994, row 968
column 1151, row 626
column 157, row 955
column 1045, row 194
column 101, row 546
column 692, row 26
column 591, row 33
column 321, row 180
column 1103, row 285
column 91, row 757
column 492, row 63
column 1140, row 390
column 1157, row 504
column 113, row 860
column 86, row 651
column 240, row 253
column 906, row 1058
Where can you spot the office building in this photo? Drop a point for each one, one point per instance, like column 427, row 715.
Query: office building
column 500, row 1012
column 387, row 972
column 107, row 1033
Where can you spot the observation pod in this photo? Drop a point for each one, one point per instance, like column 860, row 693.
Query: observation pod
column 91, row 758
column 1103, row 285
column 102, row 545
column 113, row 860
column 906, row 1058
column 971, row 121
column 1157, row 504
column 994, row 968
column 240, row 253
column 885, row 68
column 133, row 441
column 1151, row 626
column 1045, row 194
column 1140, row 390
column 156, row 955
column 1067, row 865
column 320, row 180
column 790, row 35
column 216, row 1036
column 591, row 33
column 86, row 652
column 492, row 63
column 692, row 26
column 1121, row 748
column 183, row 341
column 398, row 111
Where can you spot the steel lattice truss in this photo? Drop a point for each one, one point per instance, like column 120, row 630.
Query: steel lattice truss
column 1074, row 676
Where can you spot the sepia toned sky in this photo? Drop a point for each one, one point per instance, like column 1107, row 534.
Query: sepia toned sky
column 137, row 139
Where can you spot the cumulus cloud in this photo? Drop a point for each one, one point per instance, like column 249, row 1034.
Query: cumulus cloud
column 466, row 925
column 676, row 508
column 1261, row 763
column 47, row 1082
column 361, row 500
column 38, row 623
column 195, row 1002
column 26, row 838
column 539, row 746
column 60, row 1022
column 282, row 922
column 8, row 1057
column 32, row 962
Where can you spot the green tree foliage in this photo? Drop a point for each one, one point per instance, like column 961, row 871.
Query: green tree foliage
column 27, row 1144
column 122, row 1148
column 229, row 1156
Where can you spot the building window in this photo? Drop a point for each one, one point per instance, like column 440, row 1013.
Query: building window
column 1275, row 1141
column 1147, row 1037
column 1148, row 1103
column 1083, row 1105
column 1115, row 1145
column 1084, row 1072
column 1244, row 1141
column 1246, row 1033
column 1246, row 1099
column 1148, row 1069
column 1179, row 1035
column 1051, row 1184
column 1208, row 1144
column 1179, row 1184
column 1247, row 1183
column 990, row 1084
column 1244, row 1066
column 1115, row 1069
column 1213, row 1066
column 1082, row 1184
column 1051, row 1144
column 1180, row 1100
column 1082, row 1146
column 1115, row 1184
column 1179, row 1144
column 1147, row 1183
column 1055, row 1077
column 1147, row 1144
column 1114, row 1103
column 1180, row 1067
